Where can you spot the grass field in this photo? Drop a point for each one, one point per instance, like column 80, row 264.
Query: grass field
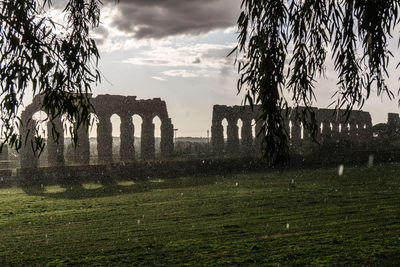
column 297, row 217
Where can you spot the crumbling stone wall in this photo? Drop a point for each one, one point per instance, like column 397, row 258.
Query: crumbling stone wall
column 249, row 143
column 393, row 125
column 332, row 127
column 387, row 135
column 104, row 107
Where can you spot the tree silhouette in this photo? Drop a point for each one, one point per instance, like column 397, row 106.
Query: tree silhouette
column 58, row 61
column 282, row 47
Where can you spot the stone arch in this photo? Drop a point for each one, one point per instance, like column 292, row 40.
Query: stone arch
column 40, row 117
column 253, row 129
column 240, row 128
column 105, row 106
column 224, row 123
column 157, row 135
column 147, row 109
column 41, row 129
column 92, row 137
column 29, row 159
column 69, row 147
column 137, row 134
column 116, row 136
column 232, row 142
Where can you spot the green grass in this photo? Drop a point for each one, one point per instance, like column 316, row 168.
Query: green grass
column 312, row 217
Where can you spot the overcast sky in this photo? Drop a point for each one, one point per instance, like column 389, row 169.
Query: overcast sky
column 176, row 50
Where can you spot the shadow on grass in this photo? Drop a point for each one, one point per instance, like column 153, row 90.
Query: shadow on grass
column 79, row 191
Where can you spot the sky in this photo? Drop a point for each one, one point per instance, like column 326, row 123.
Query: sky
column 177, row 50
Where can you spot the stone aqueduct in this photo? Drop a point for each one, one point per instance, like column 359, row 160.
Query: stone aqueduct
column 332, row 127
column 104, row 106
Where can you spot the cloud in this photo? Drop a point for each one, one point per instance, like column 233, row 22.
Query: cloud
column 187, row 60
column 185, row 55
column 181, row 73
column 138, row 23
column 158, row 78
column 156, row 19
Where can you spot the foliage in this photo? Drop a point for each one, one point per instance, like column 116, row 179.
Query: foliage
column 55, row 60
column 282, row 48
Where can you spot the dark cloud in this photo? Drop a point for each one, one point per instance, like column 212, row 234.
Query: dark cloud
column 162, row 18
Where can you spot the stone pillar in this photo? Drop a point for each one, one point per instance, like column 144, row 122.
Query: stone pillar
column 307, row 134
column 247, row 138
column 345, row 131
column 28, row 157
column 367, row 136
column 217, row 137
column 318, row 134
column 4, row 157
column 353, row 133
column 167, row 139
column 148, row 141
column 55, row 147
column 104, row 139
column 326, row 134
column 258, row 139
column 232, row 144
column 296, row 133
column 335, row 131
column 82, row 148
column 287, row 127
column 127, row 149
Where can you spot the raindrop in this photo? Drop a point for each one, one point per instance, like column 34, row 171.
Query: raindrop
column 237, row 184
column 138, row 221
column 340, row 169
column 370, row 161
column 287, row 226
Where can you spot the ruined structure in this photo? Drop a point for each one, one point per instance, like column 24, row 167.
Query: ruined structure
column 104, row 107
column 333, row 127
column 249, row 142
